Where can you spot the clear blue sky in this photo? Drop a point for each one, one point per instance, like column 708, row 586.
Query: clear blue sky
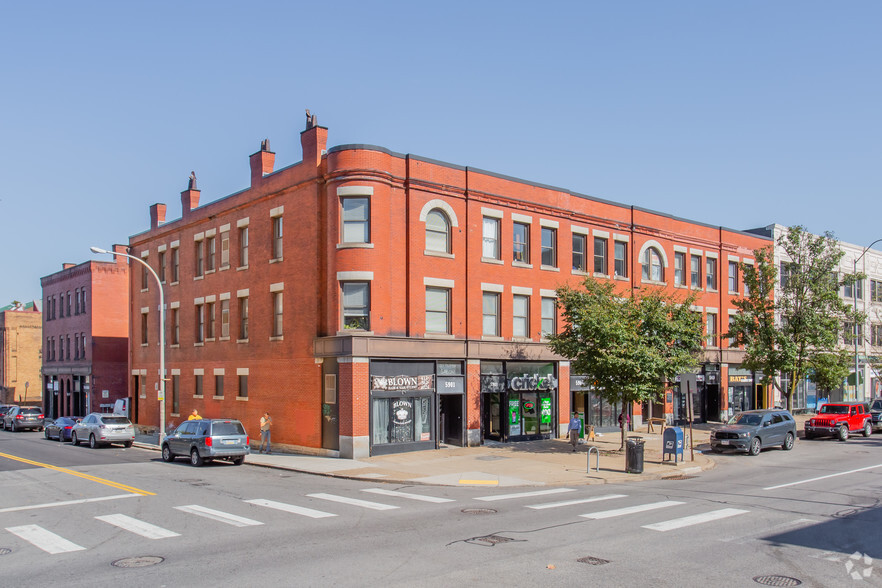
column 739, row 114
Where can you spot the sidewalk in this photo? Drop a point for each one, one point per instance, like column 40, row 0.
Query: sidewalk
column 530, row 463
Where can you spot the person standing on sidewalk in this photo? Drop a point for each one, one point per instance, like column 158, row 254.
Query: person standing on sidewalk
column 574, row 429
column 266, row 423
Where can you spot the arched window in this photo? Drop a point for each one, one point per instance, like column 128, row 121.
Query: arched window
column 653, row 268
column 437, row 231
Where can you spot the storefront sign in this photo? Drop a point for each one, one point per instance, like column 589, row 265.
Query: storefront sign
column 740, row 379
column 400, row 383
column 545, row 410
column 534, row 382
column 514, row 416
column 402, row 412
column 450, row 385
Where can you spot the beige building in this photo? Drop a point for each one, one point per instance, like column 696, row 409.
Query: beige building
column 21, row 353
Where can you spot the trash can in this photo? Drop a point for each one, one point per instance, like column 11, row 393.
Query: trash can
column 634, row 455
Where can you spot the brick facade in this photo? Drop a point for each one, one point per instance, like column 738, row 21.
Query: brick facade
column 20, row 349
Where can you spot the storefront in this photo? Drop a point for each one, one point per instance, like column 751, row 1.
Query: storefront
column 744, row 391
column 518, row 400
column 600, row 414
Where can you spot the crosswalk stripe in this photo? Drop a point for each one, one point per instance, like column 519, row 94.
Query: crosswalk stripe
column 525, row 494
column 385, row 492
column 713, row 515
column 606, row 514
column 578, row 501
column 216, row 515
column 141, row 528
column 352, row 501
column 300, row 510
column 45, row 540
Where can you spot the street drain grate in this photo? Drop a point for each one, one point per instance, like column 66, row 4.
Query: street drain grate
column 479, row 511
column 491, row 539
column 777, row 581
column 5, row 551
column 678, row 477
column 141, row 561
column 594, row 561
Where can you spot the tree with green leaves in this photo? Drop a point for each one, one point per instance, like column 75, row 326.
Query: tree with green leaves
column 629, row 344
column 828, row 370
column 793, row 330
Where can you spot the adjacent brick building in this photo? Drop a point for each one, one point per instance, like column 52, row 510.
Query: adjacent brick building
column 375, row 302
column 20, row 349
column 85, row 337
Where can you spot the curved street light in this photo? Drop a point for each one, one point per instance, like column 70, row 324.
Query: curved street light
column 854, row 296
column 100, row 251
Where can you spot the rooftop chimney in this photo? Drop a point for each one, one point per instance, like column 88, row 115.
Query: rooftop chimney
column 64, row 266
column 157, row 215
column 314, row 140
column 120, row 260
column 262, row 162
column 189, row 197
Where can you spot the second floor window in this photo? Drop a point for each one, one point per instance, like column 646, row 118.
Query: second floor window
column 278, row 314
column 243, row 317
column 438, row 310
column 491, row 314
column 175, row 264
column 549, row 326
column 162, row 266
column 200, row 323
column 579, row 252
column 711, row 329
column 520, row 315
column 145, row 277
column 733, row 276
column 652, row 265
column 225, row 318
column 277, row 237
column 695, row 270
column 175, row 326
column 710, row 273
column 875, row 291
column 521, row 242
column 211, row 320
column 621, row 259
column 143, row 331
column 210, row 254
column 549, row 247
column 356, row 305
column 356, row 220
column 600, row 256
column 200, row 258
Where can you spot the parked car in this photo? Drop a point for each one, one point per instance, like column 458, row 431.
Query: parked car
column 204, row 440
column 4, row 408
column 840, row 419
column 752, row 430
column 19, row 418
column 876, row 413
column 103, row 429
column 59, row 428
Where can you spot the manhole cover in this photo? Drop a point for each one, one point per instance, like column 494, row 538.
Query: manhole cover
column 5, row 550
column 594, row 561
column 138, row 562
column 492, row 539
column 777, row 581
column 479, row 511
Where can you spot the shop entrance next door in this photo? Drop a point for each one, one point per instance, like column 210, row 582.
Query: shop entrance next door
column 450, row 419
column 493, row 414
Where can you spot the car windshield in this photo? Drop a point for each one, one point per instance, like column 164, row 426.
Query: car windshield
column 745, row 419
column 113, row 420
column 228, row 428
column 833, row 409
column 877, row 405
column 31, row 411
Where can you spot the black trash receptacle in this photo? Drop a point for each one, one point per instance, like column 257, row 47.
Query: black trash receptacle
column 634, row 455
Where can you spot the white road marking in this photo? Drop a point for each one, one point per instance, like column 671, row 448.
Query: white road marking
column 713, row 515
column 578, row 501
column 45, row 540
column 300, row 510
column 352, row 501
column 67, row 502
column 406, row 495
column 823, row 477
column 525, row 494
column 606, row 514
column 773, row 529
column 217, row 515
column 137, row 527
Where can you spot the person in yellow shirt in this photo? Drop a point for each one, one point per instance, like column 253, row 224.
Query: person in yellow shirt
column 194, row 416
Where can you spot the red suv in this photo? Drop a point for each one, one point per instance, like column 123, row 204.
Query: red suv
column 840, row 419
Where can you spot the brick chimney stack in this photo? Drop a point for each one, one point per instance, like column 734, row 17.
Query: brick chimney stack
column 120, row 260
column 64, row 266
column 262, row 162
column 157, row 215
column 313, row 141
column 189, row 197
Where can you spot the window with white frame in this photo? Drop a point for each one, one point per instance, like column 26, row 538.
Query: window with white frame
column 278, row 237
column 243, row 246
column 278, row 313
column 579, row 245
column 200, row 323
column 733, row 276
column 710, row 273
column 521, row 242
column 653, row 269
column 520, row 316
column 437, row 231
column 621, row 259
column 600, row 255
column 549, row 247
column 243, row 317
column 199, row 249
column 711, row 329
column 437, row 310
column 356, row 305
column 490, row 238
column 549, row 316
column 356, row 220
column 695, row 270
column 490, row 304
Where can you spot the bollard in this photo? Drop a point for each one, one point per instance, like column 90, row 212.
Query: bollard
column 596, row 460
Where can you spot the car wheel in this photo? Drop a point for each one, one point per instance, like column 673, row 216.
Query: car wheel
column 755, row 446
column 843, row 433
column 868, row 429
column 13, row 426
column 196, row 459
column 167, row 455
column 239, row 460
column 788, row 442
column 74, row 439
column 127, row 444
column 46, row 433
column 93, row 443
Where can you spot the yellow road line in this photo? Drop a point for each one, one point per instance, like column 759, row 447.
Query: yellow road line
column 81, row 475
column 489, row 482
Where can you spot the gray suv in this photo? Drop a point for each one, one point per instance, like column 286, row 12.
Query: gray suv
column 19, row 418
column 203, row 440
column 752, row 430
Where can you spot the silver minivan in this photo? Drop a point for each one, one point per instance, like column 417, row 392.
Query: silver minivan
column 203, row 440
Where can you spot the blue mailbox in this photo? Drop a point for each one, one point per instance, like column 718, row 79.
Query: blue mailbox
column 673, row 443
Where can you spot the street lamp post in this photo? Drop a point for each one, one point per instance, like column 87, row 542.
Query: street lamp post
column 854, row 296
column 161, row 335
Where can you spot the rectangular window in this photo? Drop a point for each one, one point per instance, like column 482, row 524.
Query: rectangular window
column 679, row 269
column 175, row 264
column 225, row 249
column 356, row 223
column 83, row 345
column 549, row 322
column 200, row 258
column 549, row 247
column 437, row 310
column 278, row 313
column 520, row 316
column 875, row 291
column 175, row 326
column 145, row 279
column 621, row 259
column 711, row 329
column 855, row 290
column 733, row 276
column 356, row 305
column 277, row 237
column 848, row 333
column 243, row 247
column 210, row 253
column 579, row 244
column 746, row 288
column 143, row 329
column 710, row 273
column 162, row 266
column 521, row 242
column 243, row 386
column 695, row 270
column 200, row 323
column 490, row 243
column 785, row 273
column 210, row 319
column 600, row 256
column 219, row 385
column 77, row 346
column 225, row 319
column 67, row 348
column 491, row 314
column 876, row 335
column 243, row 317
column 197, row 385
column 176, row 394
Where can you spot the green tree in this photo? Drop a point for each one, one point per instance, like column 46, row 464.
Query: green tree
column 828, row 370
column 787, row 331
column 629, row 345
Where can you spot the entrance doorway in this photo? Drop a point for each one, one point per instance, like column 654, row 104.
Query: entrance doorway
column 492, row 424
column 711, row 407
column 450, row 419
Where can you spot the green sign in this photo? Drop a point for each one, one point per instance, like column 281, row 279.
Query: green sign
column 514, row 416
column 545, row 411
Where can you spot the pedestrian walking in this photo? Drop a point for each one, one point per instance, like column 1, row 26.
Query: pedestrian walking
column 194, row 416
column 266, row 423
column 574, row 429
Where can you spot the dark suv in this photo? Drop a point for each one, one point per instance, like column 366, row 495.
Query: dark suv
column 752, row 430
column 204, row 440
column 19, row 418
column 840, row 419
column 876, row 413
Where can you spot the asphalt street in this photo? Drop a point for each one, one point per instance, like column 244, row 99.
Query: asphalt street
column 119, row 516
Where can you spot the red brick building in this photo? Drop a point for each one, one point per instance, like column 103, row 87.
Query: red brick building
column 376, row 302
column 85, row 337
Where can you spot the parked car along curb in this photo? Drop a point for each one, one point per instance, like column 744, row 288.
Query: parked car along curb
column 840, row 419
